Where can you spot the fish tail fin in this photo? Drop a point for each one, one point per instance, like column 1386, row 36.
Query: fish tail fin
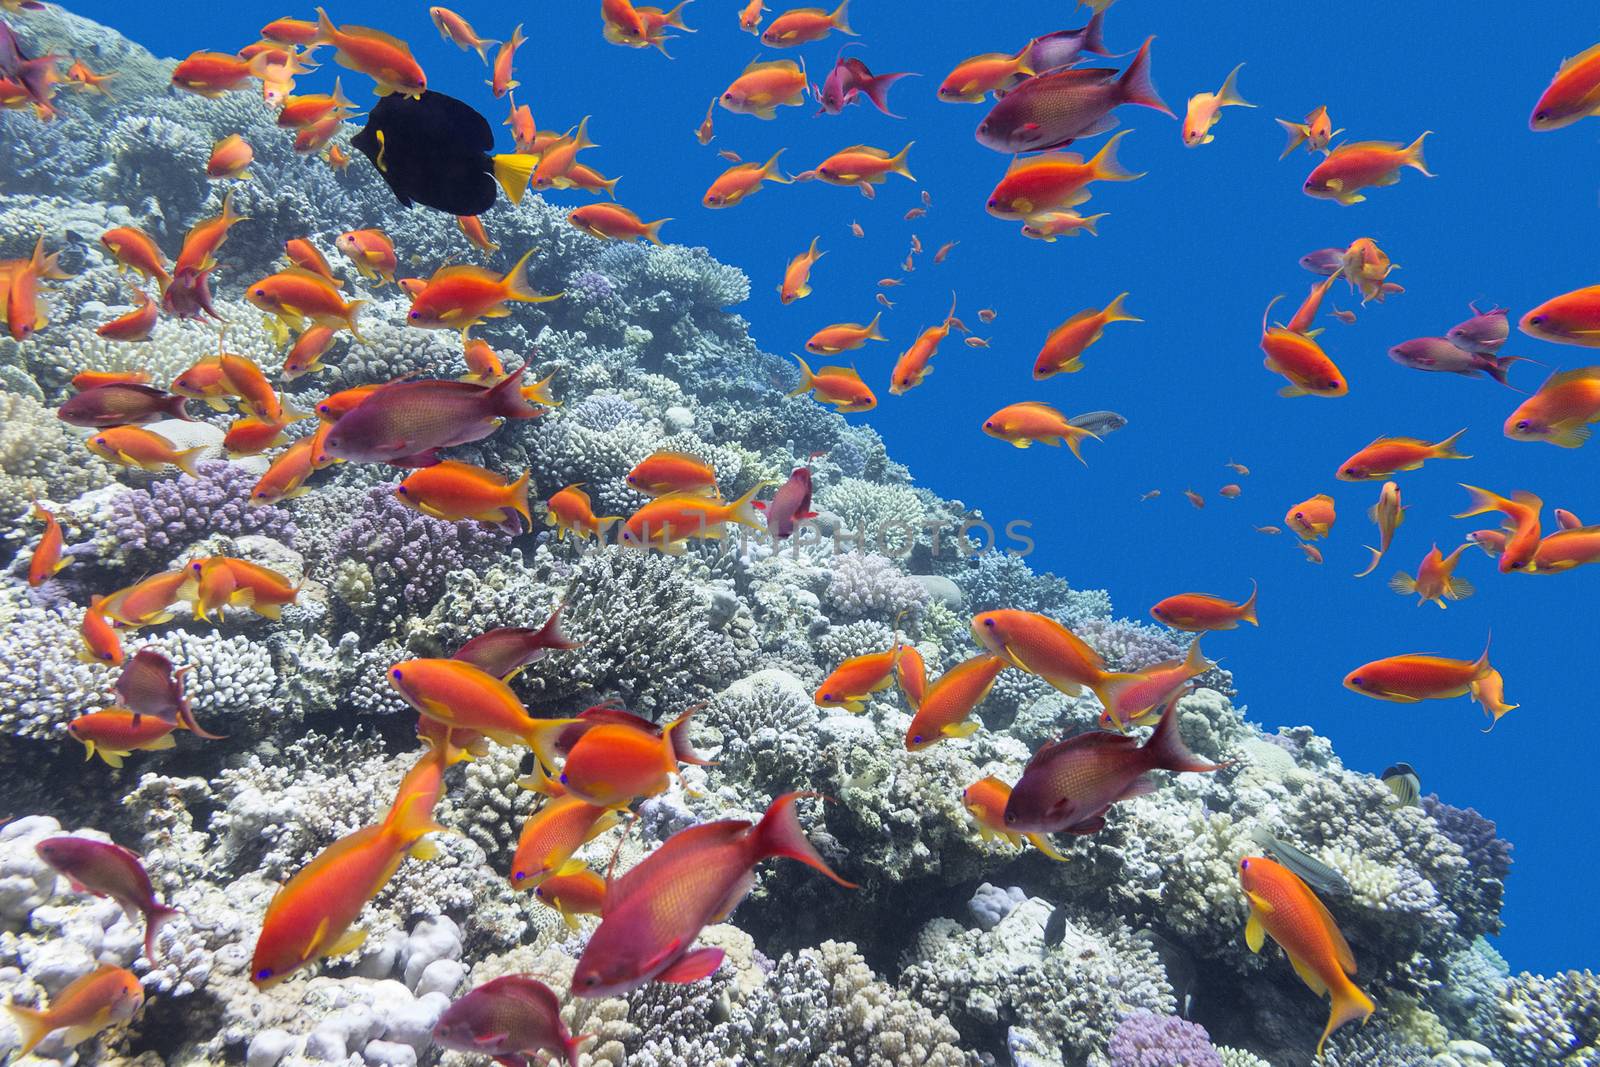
column 1498, row 365
column 1090, row 221
column 1247, row 610
column 340, row 101
column 518, row 287
column 1115, row 312
column 154, row 919
column 876, row 89
column 1166, row 747
column 652, row 230
column 1348, row 1004
column 580, row 140
column 779, row 834
column 806, row 378
column 1075, row 441
column 771, row 173
column 229, row 216
column 1296, row 131
column 1446, row 449
column 482, row 48
column 872, row 328
column 1196, row 662
column 1228, row 95
column 32, row 1025
column 1135, row 86
column 1104, row 166
column 351, row 311
column 744, row 511
column 187, row 459
column 675, row 17
column 1377, row 556
column 188, row 722
column 519, row 497
column 610, row 186
column 1482, row 502
column 411, row 819
column 1412, row 156
column 897, row 162
column 1402, row 582
column 1094, row 34
column 514, row 170
column 1480, row 667
column 841, row 18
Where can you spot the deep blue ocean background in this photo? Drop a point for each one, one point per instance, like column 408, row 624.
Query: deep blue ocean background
column 1202, row 243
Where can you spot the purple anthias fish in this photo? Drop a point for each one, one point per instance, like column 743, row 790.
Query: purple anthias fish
column 108, row 870
column 121, row 404
column 12, row 55
column 188, row 295
column 790, row 504
column 1439, row 354
column 1063, row 48
column 1069, row 786
column 850, row 78
column 1484, row 333
column 505, row 651
column 405, row 423
column 148, row 685
column 513, row 1019
column 1052, row 110
column 1324, row 261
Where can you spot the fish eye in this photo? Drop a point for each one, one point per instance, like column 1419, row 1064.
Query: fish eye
column 401, row 490
column 1244, row 865
column 396, row 674
column 263, row 974
column 260, row 291
column 1540, row 116
column 917, row 740
column 1158, row 612
column 415, row 315
column 1517, row 566
column 1537, row 319
column 1523, row 424
column 1356, row 680
column 517, row 876
column 988, row 425
column 989, row 623
column 1010, row 818
column 591, row 980
column 563, row 777
column 1352, row 471
column 538, row 891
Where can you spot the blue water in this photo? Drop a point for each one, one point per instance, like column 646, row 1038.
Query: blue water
column 1202, row 243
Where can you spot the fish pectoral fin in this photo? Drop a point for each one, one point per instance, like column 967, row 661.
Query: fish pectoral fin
column 700, row 963
column 348, row 942
column 1255, row 935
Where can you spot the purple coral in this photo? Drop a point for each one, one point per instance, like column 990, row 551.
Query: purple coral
column 590, row 286
column 152, row 525
column 1488, row 858
column 1145, row 1039
column 410, row 553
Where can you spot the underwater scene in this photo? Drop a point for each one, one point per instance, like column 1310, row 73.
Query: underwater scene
column 488, row 573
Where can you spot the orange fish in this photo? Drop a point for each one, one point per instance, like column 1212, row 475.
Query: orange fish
column 1201, row 611
column 1573, row 94
column 704, row 132
column 1033, row 420
column 484, row 366
column 46, row 560
column 623, row 23
column 343, row 402
column 313, row 138
column 615, row 222
column 802, row 25
column 116, row 733
column 1206, row 108
column 1366, row 267
column 552, row 834
column 305, row 356
column 1315, row 132
column 1285, row 907
column 1386, row 455
column 1435, row 580
column 1569, row 547
column 135, row 325
column 1299, row 359
column 460, row 297
column 1560, row 411
column 1361, row 165
column 298, row 112
column 457, row 30
column 1129, row 697
column 79, row 76
column 985, row 800
column 1063, row 349
column 742, row 179
column 133, row 249
column 661, row 473
column 1311, row 519
column 840, row 386
column 1417, row 676
column 371, row 251
column 523, row 129
column 290, row 31
column 797, row 275
column 296, row 296
column 1054, row 181
column 210, row 74
column 571, row 509
column 93, row 379
column 147, row 602
column 253, row 435
column 456, row 491
column 613, row 764
column 750, row 17
column 463, row 697
column 471, row 226
column 1307, row 312
column 106, row 996
column 245, row 380
column 205, row 239
column 500, row 81
column 313, row 915
column 261, row 589
column 286, row 478
column 135, row 446
column 581, row 892
column 916, row 362
column 558, row 159
column 974, row 79
column 863, row 166
column 655, row 912
column 21, row 306
column 1195, row 498
column 1490, row 693
column 386, row 60
column 852, row 682
column 1522, row 519
column 303, row 254
column 204, row 381
column 1040, row 646
column 765, row 86
column 656, row 21
column 911, row 673
column 844, row 336
column 666, row 521
column 230, row 158
column 1388, row 513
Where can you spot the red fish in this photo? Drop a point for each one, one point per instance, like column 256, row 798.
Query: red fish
column 1573, row 94
column 1199, row 612
column 148, row 685
column 1353, row 167
column 505, row 651
column 121, row 404
column 1056, row 108
column 108, row 870
column 405, row 423
column 790, row 505
column 135, row 325
column 654, row 912
column 1387, row 455
column 515, row 1019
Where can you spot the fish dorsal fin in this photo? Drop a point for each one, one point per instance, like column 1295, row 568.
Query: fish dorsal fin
column 463, row 270
column 771, row 64
column 307, row 275
column 864, row 149
column 1095, row 739
column 1036, row 405
column 842, row 372
column 1045, row 159
column 674, row 454
column 1585, row 56
column 1341, row 947
column 1567, row 377
column 375, row 35
column 1366, row 146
